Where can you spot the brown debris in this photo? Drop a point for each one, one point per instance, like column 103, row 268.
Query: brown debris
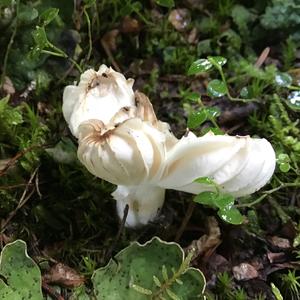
column 8, row 87
column 63, row 275
column 244, row 271
column 280, row 242
column 207, row 244
column 130, row 25
column 180, row 18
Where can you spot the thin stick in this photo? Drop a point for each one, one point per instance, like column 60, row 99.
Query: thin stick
column 22, row 201
column 185, row 221
column 122, row 225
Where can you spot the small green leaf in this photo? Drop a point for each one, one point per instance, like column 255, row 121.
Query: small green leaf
column 224, row 201
column 214, row 130
column 212, row 112
column 49, row 15
column 216, row 88
column 199, row 66
column 244, row 93
column 165, row 273
column 196, row 118
column 231, row 215
column 40, row 37
column 283, row 157
column 192, row 96
column 27, row 13
column 205, row 180
column 206, row 198
column 293, row 101
column 283, row 79
column 172, row 295
column 156, row 281
column 165, row 3
column 284, row 167
column 217, row 61
column 276, row 292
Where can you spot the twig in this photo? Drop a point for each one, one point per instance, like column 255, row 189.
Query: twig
column 18, row 156
column 122, row 225
column 24, row 198
column 185, row 221
column 263, row 56
column 109, row 54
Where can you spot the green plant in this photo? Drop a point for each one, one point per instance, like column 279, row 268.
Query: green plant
column 155, row 270
column 20, row 277
column 290, row 284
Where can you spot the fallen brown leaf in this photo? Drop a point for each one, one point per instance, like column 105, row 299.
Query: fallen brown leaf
column 63, row 275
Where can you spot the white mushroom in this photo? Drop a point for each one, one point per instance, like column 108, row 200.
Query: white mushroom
column 99, row 95
column 121, row 141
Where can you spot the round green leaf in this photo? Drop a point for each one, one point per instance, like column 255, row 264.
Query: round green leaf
column 283, row 79
column 224, row 201
column 212, row 112
column 293, row 101
column 207, row 198
column 231, row 215
column 216, row 88
column 192, row 96
column 130, row 275
column 199, row 66
column 217, row 61
column 284, row 167
column 244, row 93
column 165, row 3
column 21, row 273
column 196, row 118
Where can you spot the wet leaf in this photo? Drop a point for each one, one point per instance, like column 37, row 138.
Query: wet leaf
column 217, row 61
column 283, row 79
column 196, row 118
column 293, row 101
column 165, row 3
column 231, row 215
column 224, row 201
column 49, row 15
column 192, row 96
column 206, row 198
column 205, row 180
column 244, row 93
column 212, row 112
column 284, row 167
column 199, row 66
column 40, row 37
column 216, row 88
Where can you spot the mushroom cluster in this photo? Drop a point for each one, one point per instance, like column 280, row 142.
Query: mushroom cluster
column 121, row 141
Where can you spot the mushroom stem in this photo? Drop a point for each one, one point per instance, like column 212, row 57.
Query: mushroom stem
column 144, row 203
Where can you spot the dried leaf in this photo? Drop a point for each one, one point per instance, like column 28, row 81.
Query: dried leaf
column 63, row 275
column 207, row 243
column 180, row 18
column 244, row 271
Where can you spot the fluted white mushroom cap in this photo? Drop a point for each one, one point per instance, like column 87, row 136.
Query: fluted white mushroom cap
column 99, row 95
column 239, row 165
column 131, row 153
